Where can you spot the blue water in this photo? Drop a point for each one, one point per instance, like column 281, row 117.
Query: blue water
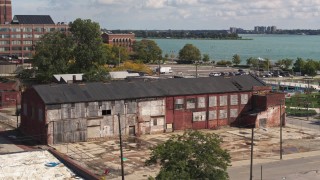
column 273, row 47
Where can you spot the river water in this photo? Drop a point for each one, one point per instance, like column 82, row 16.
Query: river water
column 274, row 47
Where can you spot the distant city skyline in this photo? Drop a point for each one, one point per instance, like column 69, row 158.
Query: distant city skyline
column 179, row 14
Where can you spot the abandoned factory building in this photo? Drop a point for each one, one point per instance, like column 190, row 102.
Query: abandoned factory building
column 60, row 113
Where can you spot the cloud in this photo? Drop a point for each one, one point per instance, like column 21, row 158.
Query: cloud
column 183, row 13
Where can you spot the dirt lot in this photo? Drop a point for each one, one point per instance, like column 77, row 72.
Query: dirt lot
column 104, row 154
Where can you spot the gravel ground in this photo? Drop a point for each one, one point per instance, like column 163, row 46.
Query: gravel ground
column 101, row 155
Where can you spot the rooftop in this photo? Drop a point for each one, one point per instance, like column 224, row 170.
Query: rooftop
column 33, row 165
column 32, row 19
column 98, row 91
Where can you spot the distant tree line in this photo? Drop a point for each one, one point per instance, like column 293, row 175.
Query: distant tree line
column 283, row 31
column 181, row 34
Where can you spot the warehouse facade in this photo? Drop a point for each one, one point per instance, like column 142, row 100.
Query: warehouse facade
column 77, row 112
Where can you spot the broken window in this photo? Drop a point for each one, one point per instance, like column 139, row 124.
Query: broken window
column 106, row 112
column 244, row 98
column 212, row 115
column 234, row 100
column 212, row 101
column 155, row 122
column 223, row 100
column 178, row 104
column 223, row 114
column 201, row 102
column 199, row 116
column 191, row 103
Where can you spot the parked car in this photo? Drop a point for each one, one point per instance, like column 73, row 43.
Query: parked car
column 212, row 74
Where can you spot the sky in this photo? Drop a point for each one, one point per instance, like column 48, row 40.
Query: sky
column 179, row 14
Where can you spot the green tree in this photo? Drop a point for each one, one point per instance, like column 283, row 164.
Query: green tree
column 88, row 51
column 53, row 54
column 236, row 59
column 206, row 58
column 224, row 63
column 165, row 58
column 299, row 65
column 147, row 51
column 266, row 64
column 97, row 74
column 193, row 155
column 252, row 62
column 311, row 67
column 284, row 63
column 189, row 54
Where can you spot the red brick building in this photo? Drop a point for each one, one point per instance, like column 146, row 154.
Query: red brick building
column 5, row 11
column 9, row 94
column 123, row 40
column 77, row 112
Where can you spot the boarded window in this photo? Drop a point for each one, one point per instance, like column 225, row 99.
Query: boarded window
column 201, row 102
column 212, row 101
column 223, row 100
column 234, row 113
column 32, row 111
column 178, row 104
column 212, row 115
column 40, row 115
column 25, row 109
column 199, row 116
column 131, row 107
column 234, row 100
column 223, row 114
column 191, row 103
column 155, row 121
column 244, row 98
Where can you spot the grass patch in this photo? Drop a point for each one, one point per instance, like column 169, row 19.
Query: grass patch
column 300, row 112
column 304, row 100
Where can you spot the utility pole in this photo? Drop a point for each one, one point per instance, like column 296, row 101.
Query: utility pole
column 121, row 153
column 119, row 56
column 17, row 112
column 280, row 129
column 197, row 68
column 308, row 92
column 159, row 68
column 251, row 158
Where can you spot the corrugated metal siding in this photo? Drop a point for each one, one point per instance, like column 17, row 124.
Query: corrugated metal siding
column 70, row 131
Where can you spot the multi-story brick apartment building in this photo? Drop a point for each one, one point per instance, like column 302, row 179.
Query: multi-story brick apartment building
column 5, row 11
column 19, row 35
column 61, row 113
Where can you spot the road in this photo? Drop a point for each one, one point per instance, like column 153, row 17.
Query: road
column 307, row 168
column 303, row 123
column 292, row 167
column 190, row 69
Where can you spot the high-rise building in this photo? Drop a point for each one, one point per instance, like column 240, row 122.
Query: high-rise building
column 5, row 11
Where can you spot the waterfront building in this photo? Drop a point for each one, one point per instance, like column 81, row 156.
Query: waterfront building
column 123, row 40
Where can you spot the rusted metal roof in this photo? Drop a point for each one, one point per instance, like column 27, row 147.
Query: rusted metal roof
column 122, row 90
